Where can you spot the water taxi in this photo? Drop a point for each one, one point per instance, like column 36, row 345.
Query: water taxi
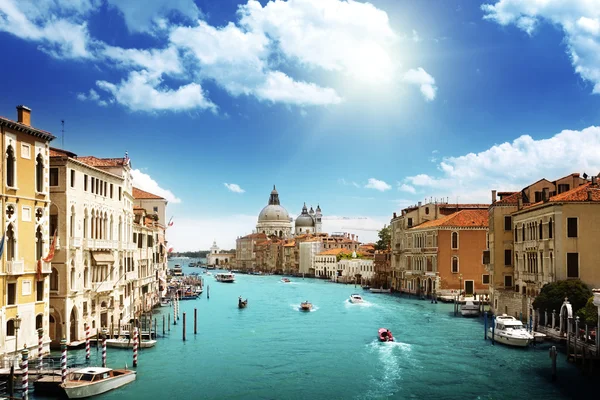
column 92, row 381
column 306, row 306
column 510, row 331
column 469, row 309
column 385, row 335
column 225, row 277
column 285, row 280
column 356, row 298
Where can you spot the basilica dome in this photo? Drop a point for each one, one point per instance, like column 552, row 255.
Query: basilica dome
column 273, row 213
column 305, row 220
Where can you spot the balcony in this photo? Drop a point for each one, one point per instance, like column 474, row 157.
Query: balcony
column 530, row 277
column 103, row 286
column 75, row 242
column 530, row 244
column 430, row 249
column 131, row 276
column 100, row 244
column 46, row 267
column 15, row 267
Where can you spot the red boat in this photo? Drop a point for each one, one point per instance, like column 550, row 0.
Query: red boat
column 385, row 335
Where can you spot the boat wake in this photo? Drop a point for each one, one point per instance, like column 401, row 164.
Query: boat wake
column 296, row 307
column 390, row 357
column 364, row 303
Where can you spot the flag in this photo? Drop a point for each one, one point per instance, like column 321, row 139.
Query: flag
column 2, row 246
column 126, row 159
column 170, row 250
column 50, row 255
column 170, row 222
column 39, row 270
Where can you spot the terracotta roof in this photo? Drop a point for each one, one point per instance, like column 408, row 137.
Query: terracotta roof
column 54, row 152
column 102, row 162
column 290, row 244
column 465, row 206
column 460, row 219
column 26, row 128
column 333, row 252
column 255, row 236
column 511, row 199
column 140, row 194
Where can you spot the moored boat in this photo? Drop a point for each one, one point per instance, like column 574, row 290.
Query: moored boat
column 126, row 343
column 177, row 270
column 469, row 309
column 165, row 302
column 285, row 280
column 225, row 277
column 510, row 331
column 305, row 306
column 380, row 290
column 385, row 335
column 356, row 298
column 92, row 381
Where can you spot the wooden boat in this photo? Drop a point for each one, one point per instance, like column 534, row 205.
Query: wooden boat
column 305, row 306
column 126, row 343
column 242, row 304
column 92, row 381
column 380, row 290
column 165, row 302
column 285, row 280
column 385, row 335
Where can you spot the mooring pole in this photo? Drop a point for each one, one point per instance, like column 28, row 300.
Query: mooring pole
column 485, row 325
column 164, row 324
column 493, row 328
column 184, row 327
column 553, row 358
column 169, row 324
column 195, row 321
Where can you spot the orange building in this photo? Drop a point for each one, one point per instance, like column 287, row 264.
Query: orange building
column 445, row 254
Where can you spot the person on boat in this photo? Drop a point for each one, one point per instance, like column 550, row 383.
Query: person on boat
column 389, row 335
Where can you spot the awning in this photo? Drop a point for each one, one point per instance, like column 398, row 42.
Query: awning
column 103, row 257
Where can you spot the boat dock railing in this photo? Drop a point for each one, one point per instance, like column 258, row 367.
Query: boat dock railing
column 582, row 340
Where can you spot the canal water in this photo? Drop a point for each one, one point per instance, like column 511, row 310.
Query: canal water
column 271, row 350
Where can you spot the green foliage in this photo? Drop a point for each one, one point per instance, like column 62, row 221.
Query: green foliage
column 385, row 238
column 553, row 295
column 190, row 254
column 589, row 313
column 348, row 256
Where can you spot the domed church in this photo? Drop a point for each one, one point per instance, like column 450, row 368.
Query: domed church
column 274, row 219
column 309, row 221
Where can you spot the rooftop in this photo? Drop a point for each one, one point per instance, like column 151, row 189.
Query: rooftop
column 141, row 194
column 103, row 162
column 459, row 219
column 18, row 126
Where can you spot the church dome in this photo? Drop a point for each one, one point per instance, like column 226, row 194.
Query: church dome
column 274, row 212
column 304, row 220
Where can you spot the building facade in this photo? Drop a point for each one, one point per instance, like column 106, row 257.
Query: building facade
column 309, row 222
column 308, row 250
column 218, row 258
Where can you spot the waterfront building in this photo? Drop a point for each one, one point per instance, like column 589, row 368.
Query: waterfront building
column 410, row 217
column 309, row 222
column 24, row 275
column 288, row 254
column 274, row 219
column 383, row 268
column 92, row 212
column 308, row 249
column 152, row 203
column 500, row 256
column 269, row 254
column 219, row 258
column 245, row 256
column 325, row 263
column 355, row 269
column 443, row 256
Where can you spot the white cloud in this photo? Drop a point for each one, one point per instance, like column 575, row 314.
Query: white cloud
column 144, row 18
column 377, row 185
column 425, row 82
column 235, row 188
column 281, row 88
column 415, row 36
column 512, row 166
column 161, row 61
column 143, row 91
column 145, row 182
column 407, row 188
column 579, row 20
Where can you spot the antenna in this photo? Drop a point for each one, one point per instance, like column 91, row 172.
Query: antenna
column 62, row 122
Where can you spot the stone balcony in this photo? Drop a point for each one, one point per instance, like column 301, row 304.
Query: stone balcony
column 131, row 276
column 100, row 244
column 15, row 267
column 75, row 242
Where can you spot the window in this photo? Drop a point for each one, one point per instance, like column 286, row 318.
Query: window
column 53, row 176
column 72, row 178
column 410, row 222
column 427, row 210
column 39, row 174
column 10, row 327
column 572, row 265
column 541, row 231
column 11, row 294
column 508, row 281
column 155, row 209
column 485, row 279
column 538, row 197
column 101, row 188
column 10, row 167
column 111, row 190
column 54, row 280
column 26, row 214
column 563, row 188
column 105, row 186
column 85, row 180
column 455, row 240
column 516, row 235
column 10, row 243
column 507, row 257
column 39, row 290
column 550, row 229
column 39, row 321
column 134, row 237
column 93, row 182
column 39, row 243
column 455, row 265
column 507, row 223
column 523, row 233
column 25, row 151
column 140, row 240
column 572, row 227
column 26, row 288
column 119, row 193
column 53, row 223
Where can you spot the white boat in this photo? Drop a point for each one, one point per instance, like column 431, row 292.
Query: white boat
column 177, row 270
column 380, row 290
column 510, row 331
column 469, row 309
column 225, row 277
column 356, row 298
column 126, row 343
column 165, row 302
column 92, row 381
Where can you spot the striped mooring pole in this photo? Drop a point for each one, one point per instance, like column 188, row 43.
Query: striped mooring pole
column 104, row 350
column 135, row 346
column 41, row 347
column 175, row 310
column 87, row 342
column 63, row 360
column 25, row 376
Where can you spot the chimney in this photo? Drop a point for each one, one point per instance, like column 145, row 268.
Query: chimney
column 589, row 197
column 419, row 204
column 395, row 215
column 353, row 236
column 545, row 194
column 493, row 196
column 357, row 238
column 519, row 202
column 24, row 115
column 594, row 180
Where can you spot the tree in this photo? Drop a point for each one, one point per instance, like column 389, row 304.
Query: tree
column 589, row 313
column 553, row 295
column 385, row 238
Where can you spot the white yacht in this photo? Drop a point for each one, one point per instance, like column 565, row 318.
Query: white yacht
column 225, row 277
column 510, row 331
column 126, row 343
column 91, row 381
column 356, row 298
column 469, row 309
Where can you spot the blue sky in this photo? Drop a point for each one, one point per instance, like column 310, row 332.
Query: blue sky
column 363, row 108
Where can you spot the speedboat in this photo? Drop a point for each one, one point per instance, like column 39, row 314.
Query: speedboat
column 285, row 280
column 469, row 309
column 510, row 331
column 380, row 290
column 126, row 343
column 242, row 304
column 91, row 381
column 356, row 298
column 305, row 306
column 225, row 277
column 385, row 335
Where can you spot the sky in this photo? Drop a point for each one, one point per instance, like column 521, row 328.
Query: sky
column 360, row 107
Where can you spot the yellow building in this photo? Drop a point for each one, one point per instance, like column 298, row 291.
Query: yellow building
column 26, row 220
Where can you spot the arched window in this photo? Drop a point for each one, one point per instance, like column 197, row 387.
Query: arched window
column 455, row 265
column 455, row 240
column 85, row 223
column 54, row 279
column 10, row 243
column 39, row 243
column 550, row 229
column 516, row 232
column 523, row 237
column 10, row 327
column 541, row 232
column 39, row 173
column 72, row 223
column 39, row 321
column 10, row 167
column 53, row 222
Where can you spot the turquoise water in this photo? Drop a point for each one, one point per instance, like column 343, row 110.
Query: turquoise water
column 270, row 350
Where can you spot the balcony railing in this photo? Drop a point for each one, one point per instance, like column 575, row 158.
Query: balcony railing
column 103, row 286
column 15, row 267
column 101, row 244
column 528, row 244
column 75, row 242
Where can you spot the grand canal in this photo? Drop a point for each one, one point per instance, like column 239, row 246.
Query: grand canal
column 270, row 350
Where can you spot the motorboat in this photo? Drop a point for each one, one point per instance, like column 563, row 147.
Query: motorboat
column 306, row 306
column 510, row 331
column 92, row 381
column 165, row 302
column 225, row 277
column 469, row 309
column 380, row 290
column 285, row 280
column 242, row 303
column 177, row 270
column 126, row 343
column 356, row 298
column 385, row 335
column 366, row 287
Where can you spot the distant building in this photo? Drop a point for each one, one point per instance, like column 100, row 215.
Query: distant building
column 245, row 257
column 219, row 258
column 309, row 222
column 308, row 250
column 274, row 219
